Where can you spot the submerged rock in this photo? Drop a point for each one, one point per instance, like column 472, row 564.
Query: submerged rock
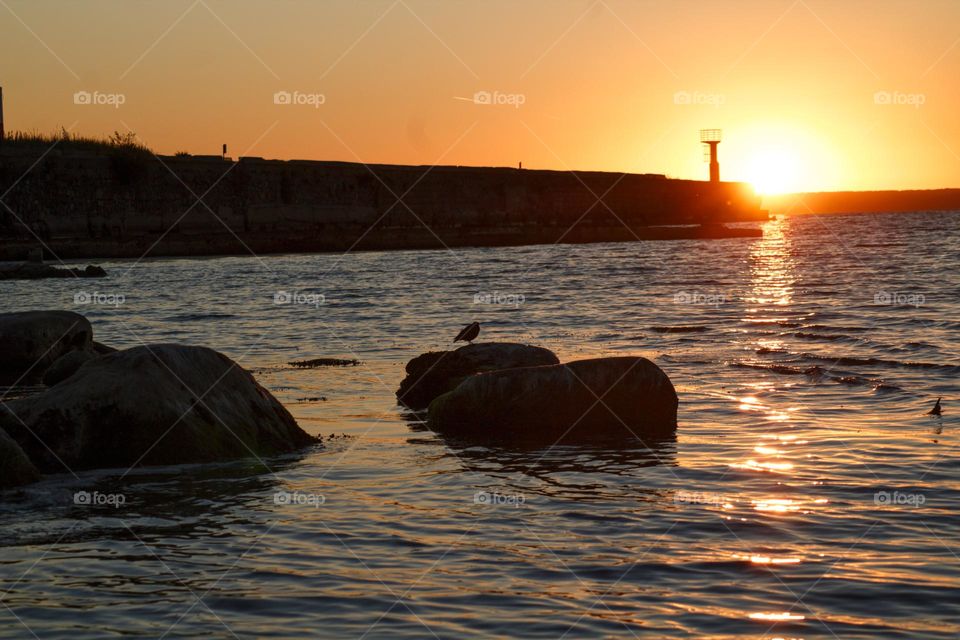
column 15, row 468
column 152, row 405
column 37, row 271
column 435, row 373
column 623, row 397
column 30, row 341
column 323, row 362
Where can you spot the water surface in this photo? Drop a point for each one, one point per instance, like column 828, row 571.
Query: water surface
column 807, row 493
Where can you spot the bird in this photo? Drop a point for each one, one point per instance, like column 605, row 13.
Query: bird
column 936, row 409
column 469, row 333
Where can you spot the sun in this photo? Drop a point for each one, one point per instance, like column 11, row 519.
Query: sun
column 774, row 170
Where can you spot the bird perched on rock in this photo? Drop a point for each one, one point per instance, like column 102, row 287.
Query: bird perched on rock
column 469, row 333
column 936, row 411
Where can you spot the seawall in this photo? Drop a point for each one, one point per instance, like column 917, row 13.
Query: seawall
column 129, row 204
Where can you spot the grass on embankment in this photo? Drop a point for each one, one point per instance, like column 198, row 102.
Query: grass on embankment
column 34, row 141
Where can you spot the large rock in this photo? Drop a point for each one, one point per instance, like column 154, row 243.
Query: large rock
column 561, row 401
column 30, row 341
column 66, row 365
column 159, row 404
column 15, row 468
column 435, row 373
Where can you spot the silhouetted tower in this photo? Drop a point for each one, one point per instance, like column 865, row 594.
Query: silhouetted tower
column 711, row 138
column 1, row 116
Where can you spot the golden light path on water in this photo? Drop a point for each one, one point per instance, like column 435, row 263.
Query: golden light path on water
column 772, row 289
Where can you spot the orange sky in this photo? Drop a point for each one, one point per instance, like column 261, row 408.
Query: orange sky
column 587, row 84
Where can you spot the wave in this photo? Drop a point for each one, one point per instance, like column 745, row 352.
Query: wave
column 818, row 373
column 830, row 337
column 784, row 369
column 194, row 317
column 848, row 361
column 789, row 324
column 827, row 327
column 680, row 329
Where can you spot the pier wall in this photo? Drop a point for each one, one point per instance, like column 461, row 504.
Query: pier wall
column 119, row 205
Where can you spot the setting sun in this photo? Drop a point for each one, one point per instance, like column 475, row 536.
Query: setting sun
column 774, row 170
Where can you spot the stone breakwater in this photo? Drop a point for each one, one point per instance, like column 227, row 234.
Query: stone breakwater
column 123, row 205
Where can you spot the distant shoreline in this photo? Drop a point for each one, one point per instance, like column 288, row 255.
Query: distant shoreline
column 888, row 201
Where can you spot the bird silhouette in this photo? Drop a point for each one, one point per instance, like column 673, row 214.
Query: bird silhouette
column 469, row 333
column 936, row 411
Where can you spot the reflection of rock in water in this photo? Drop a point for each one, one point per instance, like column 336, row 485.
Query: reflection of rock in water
column 188, row 501
column 543, row 460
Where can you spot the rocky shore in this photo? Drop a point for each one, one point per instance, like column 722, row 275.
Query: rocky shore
column 164, row 404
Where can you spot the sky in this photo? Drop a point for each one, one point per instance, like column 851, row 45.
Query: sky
column 811, row 95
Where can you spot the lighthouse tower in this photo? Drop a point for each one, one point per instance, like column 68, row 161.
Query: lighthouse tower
column 711, row 138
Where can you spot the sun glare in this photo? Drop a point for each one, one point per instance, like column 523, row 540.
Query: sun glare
column 779, row 157
column 773, row 171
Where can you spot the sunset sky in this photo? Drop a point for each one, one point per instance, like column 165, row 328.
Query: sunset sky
column 811, row 95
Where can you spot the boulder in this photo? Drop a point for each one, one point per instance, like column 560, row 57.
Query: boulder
column 435, row 373
column 152, row 405
column 15, row 468
column 30, row 341
column 561, row 401
column 66, row 365
column 102, row 349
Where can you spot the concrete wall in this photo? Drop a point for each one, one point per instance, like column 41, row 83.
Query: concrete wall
column 132, row 201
